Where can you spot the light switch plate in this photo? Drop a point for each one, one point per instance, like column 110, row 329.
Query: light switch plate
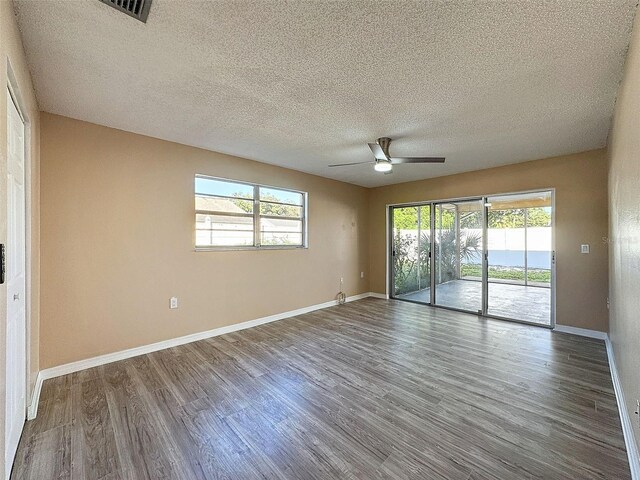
column 584, row 248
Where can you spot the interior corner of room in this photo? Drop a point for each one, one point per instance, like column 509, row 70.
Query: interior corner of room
column 233, row 232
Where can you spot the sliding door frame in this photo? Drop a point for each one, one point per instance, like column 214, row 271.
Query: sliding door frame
column 391, row 274
column 485, row 253
column 552, row 296
column 433, row 290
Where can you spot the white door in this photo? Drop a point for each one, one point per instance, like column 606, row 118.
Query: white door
column 16, row 361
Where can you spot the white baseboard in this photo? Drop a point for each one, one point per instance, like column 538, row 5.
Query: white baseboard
column 378, row 295
column 627, row 430
column 583, row 332
column 32, row 409
column 625, row 420
column 174, row 342
column 632, row 451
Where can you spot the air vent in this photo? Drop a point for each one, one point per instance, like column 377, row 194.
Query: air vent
column 135, row 8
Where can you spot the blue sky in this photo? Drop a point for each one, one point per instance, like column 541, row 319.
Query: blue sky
column 227, row 189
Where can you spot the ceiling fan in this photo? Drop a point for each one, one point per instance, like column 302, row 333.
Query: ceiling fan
column 384, row 163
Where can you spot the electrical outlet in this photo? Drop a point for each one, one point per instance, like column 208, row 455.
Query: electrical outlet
column 584, row 248
column 173, row 303
column 361, row 274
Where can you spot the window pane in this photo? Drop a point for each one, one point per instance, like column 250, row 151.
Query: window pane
column 281, row 196
column 274, row 231
column 280, row 225
column 217, row 238
column 223, row 222
column 218, row 204
column 223, row 230
column 278, row 209
column 222, row 188
column 274, row 238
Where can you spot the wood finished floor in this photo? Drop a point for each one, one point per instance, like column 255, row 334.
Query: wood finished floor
column 372, row 389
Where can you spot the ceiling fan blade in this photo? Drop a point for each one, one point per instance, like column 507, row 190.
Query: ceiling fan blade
column 378, row 152
column 396, row 160
column 347, row 164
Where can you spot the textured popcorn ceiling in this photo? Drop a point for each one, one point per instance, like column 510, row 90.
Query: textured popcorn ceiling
column 303, row 84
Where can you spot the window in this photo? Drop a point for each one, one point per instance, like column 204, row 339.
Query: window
column 242, row 215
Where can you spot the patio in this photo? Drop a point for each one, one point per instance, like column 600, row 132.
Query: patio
column 530, row 303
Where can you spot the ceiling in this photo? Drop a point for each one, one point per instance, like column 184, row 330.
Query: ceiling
column 305, row 84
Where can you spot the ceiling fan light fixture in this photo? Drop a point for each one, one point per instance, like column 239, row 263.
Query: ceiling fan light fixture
column 383, row 162
column 382, row 166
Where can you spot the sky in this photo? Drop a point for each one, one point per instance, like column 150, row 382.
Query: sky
column 222, row 188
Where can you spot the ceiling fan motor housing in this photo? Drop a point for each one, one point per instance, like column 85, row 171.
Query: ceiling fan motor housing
column 384, row 144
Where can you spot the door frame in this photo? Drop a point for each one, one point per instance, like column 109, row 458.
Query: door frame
column 485, row 291
column 14, row 94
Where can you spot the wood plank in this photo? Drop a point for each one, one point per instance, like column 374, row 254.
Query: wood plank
column 371, row 389
column 91, row 416
column 45, row 455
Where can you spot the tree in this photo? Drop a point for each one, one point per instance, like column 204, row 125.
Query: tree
column 406, row 218
column 266, row 208
column 539, row 217
column 514, row 218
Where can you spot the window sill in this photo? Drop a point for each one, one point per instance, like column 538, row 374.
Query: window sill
column 252, row 248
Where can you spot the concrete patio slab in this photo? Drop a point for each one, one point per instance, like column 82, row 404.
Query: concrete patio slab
column 530, row 303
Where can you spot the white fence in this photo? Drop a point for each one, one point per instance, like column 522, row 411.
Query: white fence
column 507, row 246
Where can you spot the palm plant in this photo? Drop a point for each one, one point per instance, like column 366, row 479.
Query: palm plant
column 450, row 253
column 411, row 259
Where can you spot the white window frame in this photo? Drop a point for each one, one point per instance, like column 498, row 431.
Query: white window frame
column 256, row 218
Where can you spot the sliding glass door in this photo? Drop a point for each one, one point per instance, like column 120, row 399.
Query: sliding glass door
column 520, row 256
column 410, row 247
column 491, row 255
column 458, row 255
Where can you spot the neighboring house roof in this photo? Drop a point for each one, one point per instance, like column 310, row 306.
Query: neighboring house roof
column 216, row 204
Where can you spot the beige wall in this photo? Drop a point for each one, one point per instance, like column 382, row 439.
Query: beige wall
column 624, row 208
column 118, row 242
column 13, row 60
column 580, row 182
